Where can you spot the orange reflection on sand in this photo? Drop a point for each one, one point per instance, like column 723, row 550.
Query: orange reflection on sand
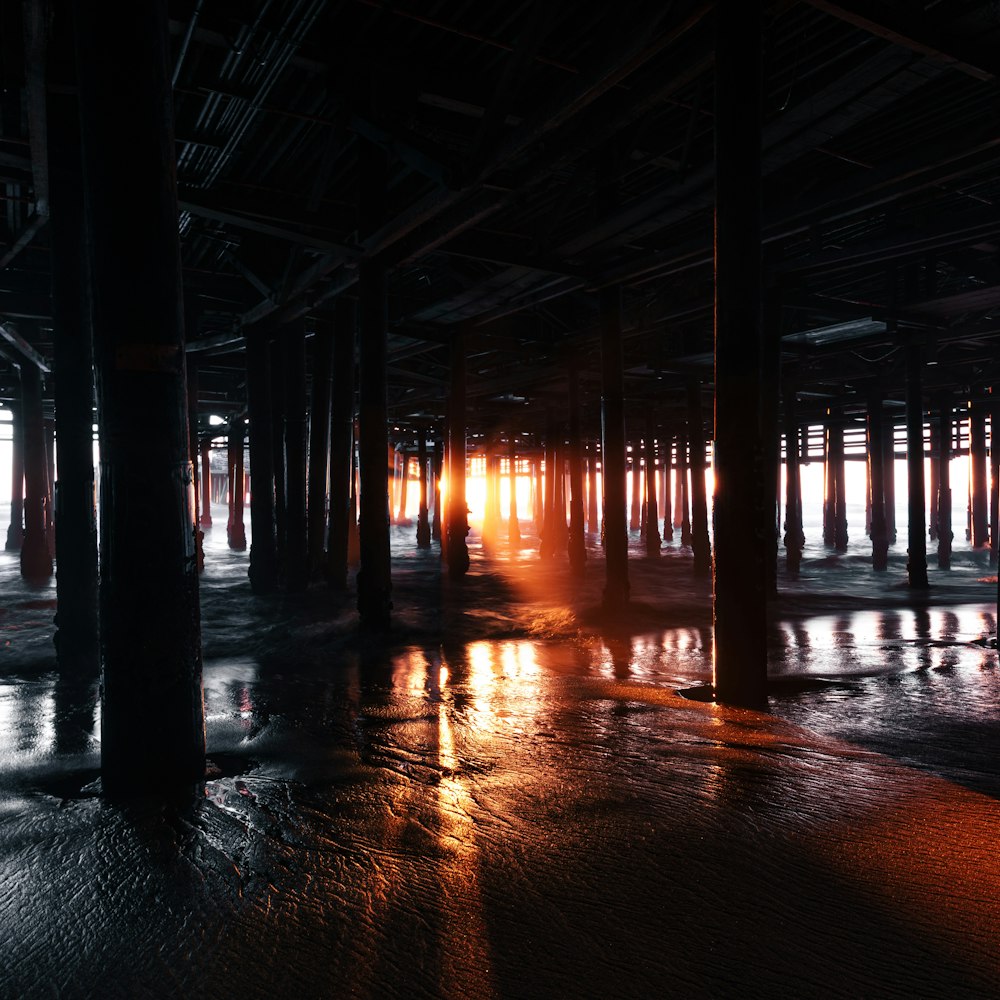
column 465, row 947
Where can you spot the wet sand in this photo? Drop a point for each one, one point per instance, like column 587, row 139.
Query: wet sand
column 507, row 797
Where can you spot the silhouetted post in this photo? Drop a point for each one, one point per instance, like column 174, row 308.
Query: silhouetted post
column 635, row 515
column 701, row 547
column 513, row 528
column 36, row 560
column 341, row 443
column 491, row 505
column 829, row 482
column 546, row 546
column 943, row 498
column 889, row 487
column 150, row 639
column 457, row 517
column 236, row 534
column 934, row 487
column 839, row 490
column 592, row 493
column 353, row 528
column 76, row 635
column 876, row 477
column 994, row 482
column 438, row 464
column 374, row 577
column 194, row 452
column 665, row 463
column 204, row 481
column 423, row 524
column 577, row 544
column 404, row 486
column 319, row 445
column 292, row 339
column 50, row 479
column 615, row 531
column 15, row 530
column 916, row 565
column 682, row 508
column 263, row 570
column 653, row 539
column 561, row 528
column 794, row 538
column 977, row 475
column 278, row 386
column 740, row 471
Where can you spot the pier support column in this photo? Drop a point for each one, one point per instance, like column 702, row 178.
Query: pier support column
column 615, row 531
column 794, row 537
column 341, row 443
column 682, row 507
column 263, row 570
column 319, row 446
column 374, row 577
column 701, row 547
column 36, row 560
column 292, row 338
column 278, row 385
column 665, row 465
column 438, row 465
column 876, row 479
column 205, row 481
column 943, row 498
column 577, row 543
column 916, row 565
column 489, row 536
column 994, row 481
column 977, row 475
column 889, row 487
column 76, row 637
column 457, row 515
column 423, row 524
column 740, row 667
column 839, row 491
column 635, row 515
column 513, row 527
column 150, row 638
column 593, row 500
column 236, row 534
column 934, row 487
column 653, row 539
column 15, row 530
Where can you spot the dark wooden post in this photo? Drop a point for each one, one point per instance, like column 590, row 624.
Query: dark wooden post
column 934, row 486
column 50, row 480
column 829, row 481
column 977, row 475
column 682, row 506
column 76, row 637
column 438, row 464
column 653, row 539
column 292, row 338
column 277, row 352
column 701, row 547
column 150, row 640
column 839, row 490
column 36, row 559
column 876, row 478
column 943, row 498
column 513, row 528
column 374, row 577
column 635, row 512
column 15, row 530
column 794, row 538
column 615, row 531
column 423, row 524
column 916, row 565
column 593, row 504
column 263, row 570
column 319, row 445
column 457, row 517
column 665, row 464
column 205, row 481
column 740, row 476
column 577, row 543
column 236, row 534
column 889, row 486
column 491, row 506
column 341, row 443
column 994, row 481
